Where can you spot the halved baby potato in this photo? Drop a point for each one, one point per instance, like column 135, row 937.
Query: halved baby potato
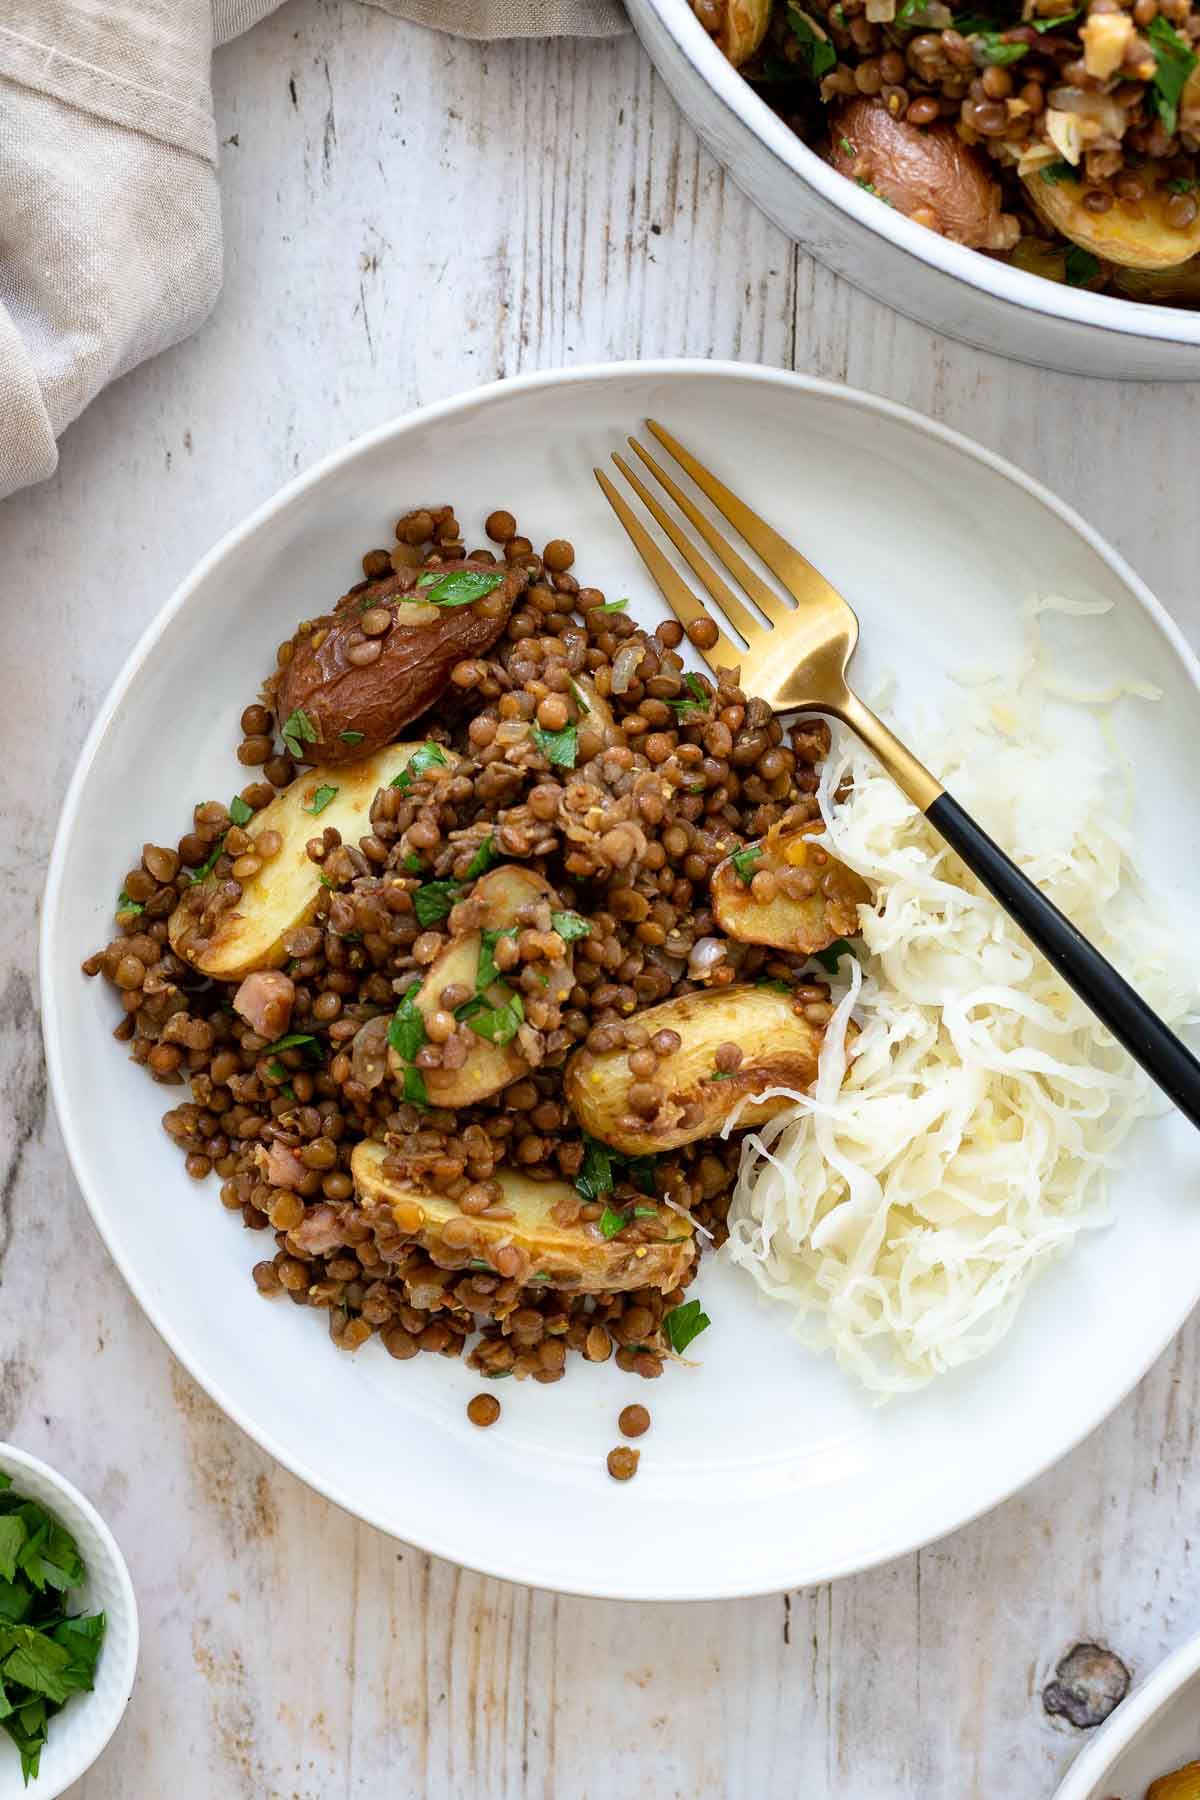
column 285, row 892
column 1144, row 242
column 569, row 1255
column 489, row 1067
column 803, row 924
column 779, row 1046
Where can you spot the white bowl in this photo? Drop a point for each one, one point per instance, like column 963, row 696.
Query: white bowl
column 1154, row 1731
column 765, row 1468
column 942, row 285
column 81, row 1730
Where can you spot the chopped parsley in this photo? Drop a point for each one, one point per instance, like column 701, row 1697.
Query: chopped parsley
column 1058, row 171
column 125, row 904
column 683, row 1323
column 570, row 926
column 746, row 860
column 776, row 987
column 611, row 1221
column 462, row 587
column 351, row 737
column 1182, row 184
column 426, row 756
column 846, row 147
column 1044, row 25
column 992, row 49
column 483, row 858
column 496, row 1024
column 406, row 1028
column 46, row 1654
column 595, row 1177
column 832, row 954
column 818, row 54
column 558, row 747
column 321, row 799
column 415, row 1091
column 610, row 606
column 1080, row 266
column 298, row 730
column 210, row 862
column 240, row 813
column 434, row 900
column 487, row 972
column 1174, row 62
column 292, row 1041
column 724, row 1074
column 413, row 863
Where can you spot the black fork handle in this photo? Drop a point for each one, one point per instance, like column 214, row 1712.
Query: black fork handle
column 1164, row 1056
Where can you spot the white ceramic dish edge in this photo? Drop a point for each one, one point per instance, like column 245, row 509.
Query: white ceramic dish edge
column 939, row 284
column 883, row 1551
column 1136, row 1714
column 82, row 1730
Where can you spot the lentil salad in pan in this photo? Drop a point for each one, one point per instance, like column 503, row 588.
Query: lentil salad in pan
column 458, row 991
column 1062, row 138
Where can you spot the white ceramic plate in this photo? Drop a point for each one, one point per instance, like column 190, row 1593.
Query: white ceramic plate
column 946, row 287
column 1153, row 1732
column 81, row 1730
column 764, row 1467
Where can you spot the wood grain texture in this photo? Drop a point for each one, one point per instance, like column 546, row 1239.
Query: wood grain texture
column 408, row 216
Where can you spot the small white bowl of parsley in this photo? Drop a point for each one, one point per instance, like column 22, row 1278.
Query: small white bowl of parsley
column 68, row 1630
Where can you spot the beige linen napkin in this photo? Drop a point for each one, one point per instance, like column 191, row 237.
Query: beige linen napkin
column 110, row 222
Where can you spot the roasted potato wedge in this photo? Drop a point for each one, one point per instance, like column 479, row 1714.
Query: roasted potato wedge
column 928, row 171
column 285, row 891
column 573, row 1256
column 1181, row 1784
column 334, row 694
column 1166, row 287
column 803, row 923
column 489, row 1067
column 1144, row 242
column 779, row 1048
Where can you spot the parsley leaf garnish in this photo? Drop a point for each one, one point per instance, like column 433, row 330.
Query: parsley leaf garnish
column 426, row 756
column 1080, row 266
column 832, row 954
column 558, row 747
column 240, row 811
column 483, row 859
column 321, row 799
column 292, row 1041
column 818, row 53
column 125, row 904
column 1044, row 25
column 610, row 606
column 990, row 48
column 570, row 926
column 415, row 1091
column 683, row 1323
column 499, row 1024
column 595, row 1177
column 1174, row 61
column 298, row 730
column 434, row 900
column 406, row 1028
column 209, row 864
column 351, row 737
column 611, row 1221
column 462, row 587
column 1058, row 171
column 487, row 972
column 746, row 860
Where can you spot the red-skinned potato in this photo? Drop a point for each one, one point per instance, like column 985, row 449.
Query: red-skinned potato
column 930, row 172
column 371, row 701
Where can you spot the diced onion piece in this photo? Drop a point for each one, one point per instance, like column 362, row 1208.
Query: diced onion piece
column 625, row 664
column 1065, row 133
column 1106, row 37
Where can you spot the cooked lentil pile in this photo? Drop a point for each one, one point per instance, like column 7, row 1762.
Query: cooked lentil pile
column 580, row 751
column 1061, row 137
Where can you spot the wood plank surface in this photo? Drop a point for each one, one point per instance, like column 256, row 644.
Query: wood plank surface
column 408, row 216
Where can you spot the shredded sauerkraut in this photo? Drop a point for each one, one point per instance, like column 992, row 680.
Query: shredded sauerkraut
column 966, row 1135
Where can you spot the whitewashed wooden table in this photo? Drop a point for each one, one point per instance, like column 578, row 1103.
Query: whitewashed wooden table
column 408, row 216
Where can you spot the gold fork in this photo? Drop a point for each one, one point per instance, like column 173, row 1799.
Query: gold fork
column 798, row 659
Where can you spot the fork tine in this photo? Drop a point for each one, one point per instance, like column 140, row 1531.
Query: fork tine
column 765, row 598
column 721, row 592
column 795, row 571
column 675, row 590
